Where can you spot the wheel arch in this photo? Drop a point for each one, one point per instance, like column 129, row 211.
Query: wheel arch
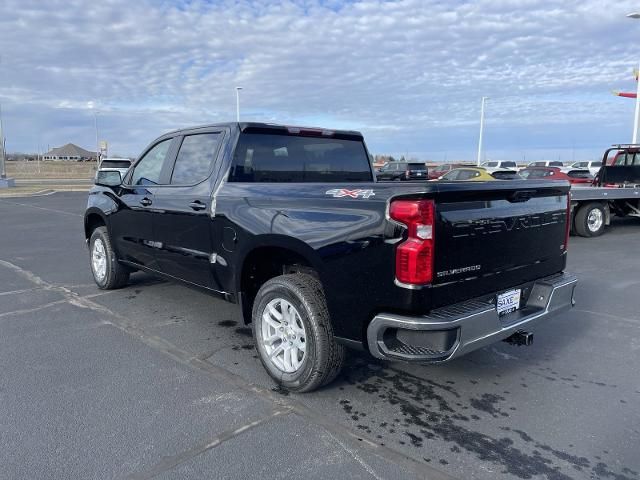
column 268, row 257
column 93, row 219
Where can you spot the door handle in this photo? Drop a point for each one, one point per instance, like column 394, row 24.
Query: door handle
column 197, row 205
column 145, row 202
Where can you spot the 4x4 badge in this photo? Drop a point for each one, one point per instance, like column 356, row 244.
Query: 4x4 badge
column 357, row 193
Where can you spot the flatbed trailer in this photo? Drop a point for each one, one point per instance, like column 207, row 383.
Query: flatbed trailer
column 592, row 207
column 616, row 191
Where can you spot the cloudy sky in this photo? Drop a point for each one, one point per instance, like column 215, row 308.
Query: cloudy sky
column 407, row 73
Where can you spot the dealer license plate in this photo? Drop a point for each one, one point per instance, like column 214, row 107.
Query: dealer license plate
column 508, row 302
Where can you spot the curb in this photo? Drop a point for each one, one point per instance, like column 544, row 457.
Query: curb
column 41, row 193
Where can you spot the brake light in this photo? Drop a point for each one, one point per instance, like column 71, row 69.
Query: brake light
column 414, row 256
column 310, row 132
column 567, row 228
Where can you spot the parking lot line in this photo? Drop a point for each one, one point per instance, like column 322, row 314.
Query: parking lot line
column 53, row 210
column 169, row 463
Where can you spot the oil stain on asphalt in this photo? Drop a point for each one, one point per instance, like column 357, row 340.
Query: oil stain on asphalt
column 431, row 410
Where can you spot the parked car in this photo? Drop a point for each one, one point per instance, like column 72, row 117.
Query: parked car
column 499, row 165
column 475, row 174
column 440, row 170
column 396, row 171
column 546, row 163
column 115, row 164
column 592, row 166
column 554, row 173
column 290, row 224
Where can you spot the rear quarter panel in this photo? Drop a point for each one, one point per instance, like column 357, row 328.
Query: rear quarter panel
column 348, row 241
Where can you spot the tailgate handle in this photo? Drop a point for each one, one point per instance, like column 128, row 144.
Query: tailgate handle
column 521, row 195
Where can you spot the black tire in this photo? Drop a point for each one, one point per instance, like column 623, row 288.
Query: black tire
column 324, row 357
column 116, row 275
column 584, row 220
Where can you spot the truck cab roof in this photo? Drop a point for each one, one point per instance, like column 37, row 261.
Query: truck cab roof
column 257, row 127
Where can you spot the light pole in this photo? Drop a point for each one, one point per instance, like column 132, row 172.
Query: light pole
column 484, row 99
column 636, row 118
column 95, row 124
column 238, row 104
column 3, row 170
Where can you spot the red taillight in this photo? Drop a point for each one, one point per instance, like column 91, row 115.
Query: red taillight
column 414, row 256
column 567, row 228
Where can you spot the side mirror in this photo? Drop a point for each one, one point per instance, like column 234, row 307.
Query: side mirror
column 108, row 178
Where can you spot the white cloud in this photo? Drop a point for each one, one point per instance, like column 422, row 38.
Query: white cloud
column 408, row 73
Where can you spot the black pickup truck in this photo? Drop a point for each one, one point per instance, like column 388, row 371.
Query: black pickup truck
column 290, row 224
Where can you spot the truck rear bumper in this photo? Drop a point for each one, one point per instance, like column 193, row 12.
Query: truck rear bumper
column 449, row 332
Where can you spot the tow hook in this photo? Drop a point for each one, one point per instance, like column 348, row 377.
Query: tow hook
column 520, row 338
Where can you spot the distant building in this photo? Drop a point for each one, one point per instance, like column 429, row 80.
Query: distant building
column 70, row 152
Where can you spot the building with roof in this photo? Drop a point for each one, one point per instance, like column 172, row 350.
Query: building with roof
column 70, row 152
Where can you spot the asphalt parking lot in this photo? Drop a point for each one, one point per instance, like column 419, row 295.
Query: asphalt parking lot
column 160, row 381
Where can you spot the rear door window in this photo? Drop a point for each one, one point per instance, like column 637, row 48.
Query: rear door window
column 195, row 158
column 264, row 157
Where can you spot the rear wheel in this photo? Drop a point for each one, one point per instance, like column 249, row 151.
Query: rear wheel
column 293, row 333
column 590, row 220
column 107, row 272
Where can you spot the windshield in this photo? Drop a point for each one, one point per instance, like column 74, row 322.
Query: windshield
column 505, row 175
column 534, row 173
column 416, row 166
column 579, row 174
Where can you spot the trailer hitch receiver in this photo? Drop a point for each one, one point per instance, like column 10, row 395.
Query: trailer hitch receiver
column 520, row 338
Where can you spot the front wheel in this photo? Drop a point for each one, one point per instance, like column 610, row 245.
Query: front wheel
column 293, row 333
column 590, row 220
column 107, row 272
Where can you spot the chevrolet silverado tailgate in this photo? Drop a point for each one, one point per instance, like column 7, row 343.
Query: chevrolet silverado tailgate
column 496, row 236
